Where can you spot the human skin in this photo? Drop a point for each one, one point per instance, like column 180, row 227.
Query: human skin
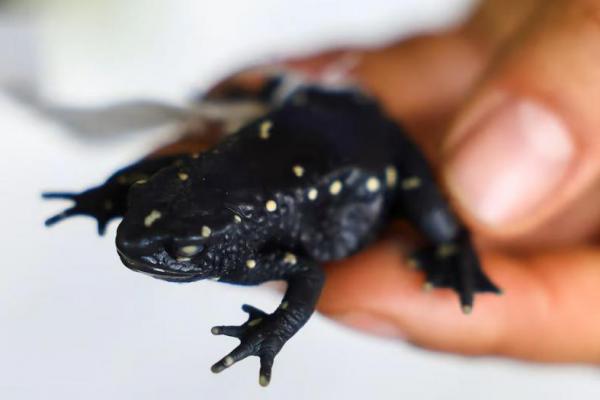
column 506, row 108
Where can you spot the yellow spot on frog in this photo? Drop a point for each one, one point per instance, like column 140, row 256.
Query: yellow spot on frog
column 271, row 205
column 255, row 322
column 189, row 250
column 151, row 218
column 445, row 250
column 335, row 188
column 391, row 176
column 290, row 258
column 265, row 130
column 263, row 381
column 298, row 170
column 411, row 183
column 373, row 184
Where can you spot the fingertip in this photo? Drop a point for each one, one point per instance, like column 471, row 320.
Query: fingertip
column 510, row 162
column 522, row 157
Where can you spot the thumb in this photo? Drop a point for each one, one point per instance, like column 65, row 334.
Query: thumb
column 524, row 155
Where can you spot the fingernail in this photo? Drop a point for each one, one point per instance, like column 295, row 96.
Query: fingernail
column 509, row 163
column 369, row 323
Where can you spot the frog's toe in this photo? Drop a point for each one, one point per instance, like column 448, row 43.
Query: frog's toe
column 60, row 216
column 259, row 336
column 454, row 265
column 227, row 330
column 237, row 354
column 59, row 195
column 93, row 203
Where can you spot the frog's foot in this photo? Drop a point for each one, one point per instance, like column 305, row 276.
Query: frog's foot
column 454, row 265
column 99, row 203
column 262, row 335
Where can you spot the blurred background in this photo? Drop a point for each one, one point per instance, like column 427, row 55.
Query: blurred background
column 75, row 323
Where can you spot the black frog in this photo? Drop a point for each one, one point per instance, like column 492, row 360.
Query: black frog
column 314, row 179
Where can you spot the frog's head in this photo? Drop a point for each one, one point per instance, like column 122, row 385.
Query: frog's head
column 176, row 227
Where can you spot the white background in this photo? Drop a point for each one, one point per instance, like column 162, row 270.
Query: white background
column 76, row 324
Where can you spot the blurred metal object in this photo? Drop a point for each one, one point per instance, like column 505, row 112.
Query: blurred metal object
column 104, row 121
column 138, row 115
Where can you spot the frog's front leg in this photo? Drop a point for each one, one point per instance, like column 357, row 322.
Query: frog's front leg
column 263, row 335
column 109, row 200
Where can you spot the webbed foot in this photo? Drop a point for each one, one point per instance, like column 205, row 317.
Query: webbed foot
column 262, row 335
column 100, row 203
column 454, row 265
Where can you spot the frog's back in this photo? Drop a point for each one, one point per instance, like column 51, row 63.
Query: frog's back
column 312, row 135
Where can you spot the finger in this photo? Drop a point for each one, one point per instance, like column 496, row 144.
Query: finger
column 496, row 21
column 550, row 309
column 523, row 159
column 237, row 354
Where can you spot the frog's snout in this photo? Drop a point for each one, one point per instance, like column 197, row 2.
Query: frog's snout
column 152, row 254
column 137, row 246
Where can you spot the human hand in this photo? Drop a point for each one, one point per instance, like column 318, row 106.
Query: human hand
column 507, row 107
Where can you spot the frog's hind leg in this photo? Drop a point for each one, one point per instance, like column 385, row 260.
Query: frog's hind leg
column 449, row 260
column 109, row 200
column 92, row 202
column 454, row 265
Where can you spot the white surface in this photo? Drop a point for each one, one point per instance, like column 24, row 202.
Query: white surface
column 115, row 49
column 76, row 324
